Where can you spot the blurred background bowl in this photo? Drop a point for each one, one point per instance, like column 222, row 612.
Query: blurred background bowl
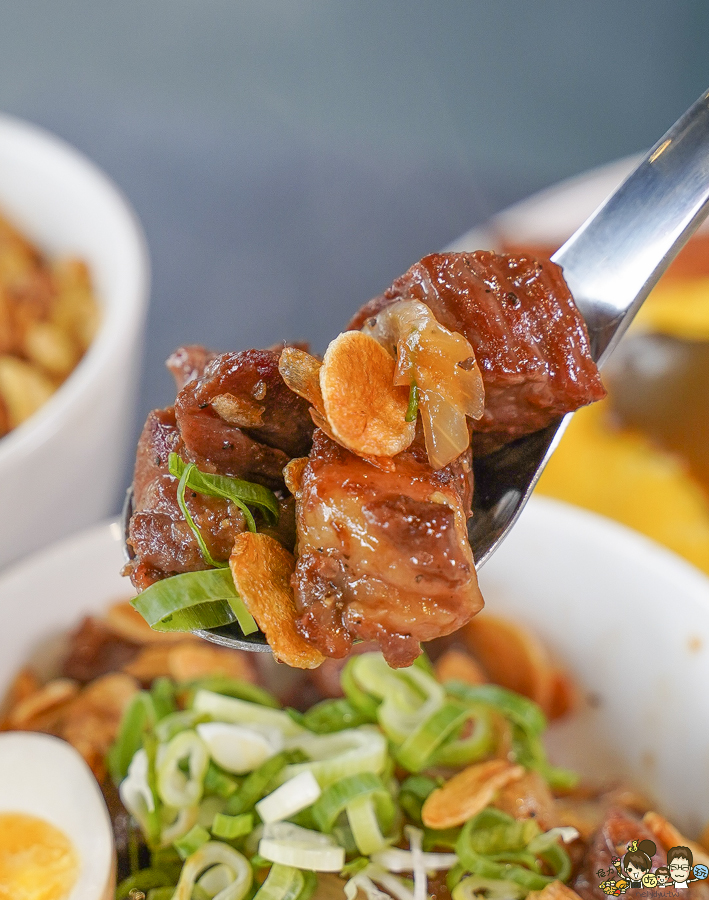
column 63, row 468
column 626, row 618
column 642, row 455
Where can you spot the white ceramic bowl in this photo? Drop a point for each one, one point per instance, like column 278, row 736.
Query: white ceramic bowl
column 60, row 470
column 628, row 618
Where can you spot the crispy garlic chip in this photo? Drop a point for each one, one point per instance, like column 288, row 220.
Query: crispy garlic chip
column 262, row 570
column 512, row 656
column 301, row 372
column 366, row 411
column 467, row 793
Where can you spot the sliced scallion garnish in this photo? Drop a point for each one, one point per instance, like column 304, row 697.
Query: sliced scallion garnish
column 241, row 493
column 192, row 601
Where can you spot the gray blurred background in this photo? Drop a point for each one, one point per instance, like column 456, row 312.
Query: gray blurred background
column 289, row 158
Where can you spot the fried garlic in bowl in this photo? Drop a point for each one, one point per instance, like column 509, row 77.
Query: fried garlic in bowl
column 60, row 468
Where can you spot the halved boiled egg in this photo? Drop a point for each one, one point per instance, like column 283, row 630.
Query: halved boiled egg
column 56, row 841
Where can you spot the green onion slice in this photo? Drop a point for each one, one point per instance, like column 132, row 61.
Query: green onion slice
column 461, row 751
column 229, row 687
column 232, row 827
column 195, row 838
column 243, row 712
column 182, row 503
column 474, row 887
column 287, row 883
column 301, row 848
column 330, row 716
column 337, row 797
column 413, row 793
column 239, row 492
column 175, row 788
column 494, row 845
column 520, row 710
column 193, row 601
column 364, row 823
column 416, row 751
column 215, row 853
column 137, row 719
column 335, row 756
column 408, row 696
column 257, row 784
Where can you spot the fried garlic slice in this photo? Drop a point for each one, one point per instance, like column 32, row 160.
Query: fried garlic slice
column 365, row 410
column 301, row 372
column 467, row 793
column 512, row 656
column 262, row 570
column 442, row 366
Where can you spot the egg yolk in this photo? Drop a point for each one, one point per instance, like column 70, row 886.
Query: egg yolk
column 37, row 861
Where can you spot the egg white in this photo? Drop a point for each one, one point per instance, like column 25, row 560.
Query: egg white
column 45, row 777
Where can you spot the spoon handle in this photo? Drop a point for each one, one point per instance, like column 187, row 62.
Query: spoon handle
column 615, row 259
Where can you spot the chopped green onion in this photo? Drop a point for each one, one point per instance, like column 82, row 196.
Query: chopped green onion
column 192, row 601
column 161, row 893
column 258, row 783
column 333, row 715
column 182, row 503
column 528, row 722
column 417, row 750
column 290, row 845
column 153, row 825
column 408, row 696
column 461, row 751
column 474, row 887
column 290, row 798
column 413, row 793
column 243, row 712
column 138, row 717
column 365, row 704
column 232, row 827
column 412, row 409
column 215, row 853
column 239, row 492
column 229, row 687
column 362, row 818
column 494, row 845
column 192, row 841
column 518, row 709
column 145, row 880
column 182, row 720
column 335, row 756
column 216, row 781
column 183, row 822
column 162, row 692
column 175, row 788
column 336, row 798
column 287, row 883
column 237, row 748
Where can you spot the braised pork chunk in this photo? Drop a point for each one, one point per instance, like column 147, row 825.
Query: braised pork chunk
column 529, row 339
column 233, row 416
column 382, row 552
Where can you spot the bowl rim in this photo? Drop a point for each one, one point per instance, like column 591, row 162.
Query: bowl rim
column 117, row 328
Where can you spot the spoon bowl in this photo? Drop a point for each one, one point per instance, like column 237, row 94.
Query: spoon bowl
column 610, row 265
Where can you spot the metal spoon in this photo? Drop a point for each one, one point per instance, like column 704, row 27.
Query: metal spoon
column 610, row 264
